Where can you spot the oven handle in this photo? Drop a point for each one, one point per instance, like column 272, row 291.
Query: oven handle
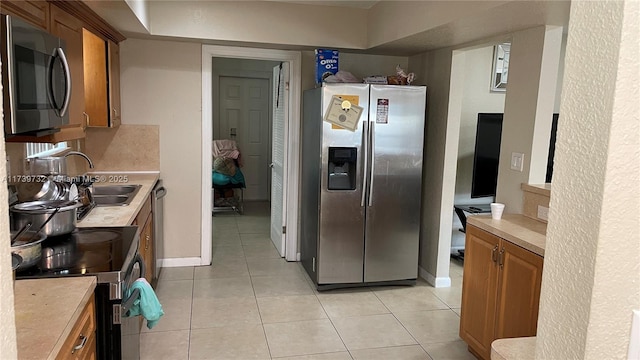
column 128, row 303
column 137, row 259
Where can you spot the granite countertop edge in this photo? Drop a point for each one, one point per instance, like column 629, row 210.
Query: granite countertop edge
column 29, row 316
column 522, row 348
column 516, row 228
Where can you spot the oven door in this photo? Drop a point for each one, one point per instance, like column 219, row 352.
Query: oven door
column 130, row 326
column 118, row 336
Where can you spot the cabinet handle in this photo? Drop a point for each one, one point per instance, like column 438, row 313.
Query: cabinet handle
column 494, row 254
column 83, row 341
column 501, row 260
column 86, row 118
column 146, row 243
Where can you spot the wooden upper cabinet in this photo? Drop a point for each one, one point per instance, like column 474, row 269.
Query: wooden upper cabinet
column 114, row 83
column 101, row 81
column 95, row 79
column 94, row 60
column 33, row 12
column 69, row 28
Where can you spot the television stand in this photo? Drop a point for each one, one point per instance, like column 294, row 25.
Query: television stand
column 461, row 211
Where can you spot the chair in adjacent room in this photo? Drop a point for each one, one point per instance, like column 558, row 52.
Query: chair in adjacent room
column 227, row 179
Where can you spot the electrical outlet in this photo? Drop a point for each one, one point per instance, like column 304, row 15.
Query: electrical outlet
column 517, row 161
column 543, row 213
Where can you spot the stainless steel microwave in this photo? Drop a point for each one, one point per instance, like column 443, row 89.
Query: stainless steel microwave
column 36, row 81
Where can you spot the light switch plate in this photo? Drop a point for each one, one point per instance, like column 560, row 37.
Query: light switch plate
column 517, row 161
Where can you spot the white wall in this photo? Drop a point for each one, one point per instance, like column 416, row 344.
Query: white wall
column 265, row 22
column 444, row 101
column 441, row 142
column 7, row 318
column 528, row 111
column 591, row 278
column 161, row 85
column 477, row 98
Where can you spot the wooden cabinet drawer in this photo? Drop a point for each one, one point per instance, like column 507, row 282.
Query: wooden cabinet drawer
column 81, row 343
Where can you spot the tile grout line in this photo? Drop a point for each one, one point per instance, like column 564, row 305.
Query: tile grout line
column 331, row 322
column 193, row 289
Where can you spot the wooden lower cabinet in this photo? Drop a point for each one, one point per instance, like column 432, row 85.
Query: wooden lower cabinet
column 144, row 220
column 146, row 245
column 500, row 291
column 81, row 342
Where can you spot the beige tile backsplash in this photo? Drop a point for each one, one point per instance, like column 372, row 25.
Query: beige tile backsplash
column 534, row 196
column 126, row 148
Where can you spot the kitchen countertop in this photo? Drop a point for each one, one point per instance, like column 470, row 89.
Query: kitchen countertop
column 120, row 215
column 523, row 348
column 46, row 311
column 515, row 228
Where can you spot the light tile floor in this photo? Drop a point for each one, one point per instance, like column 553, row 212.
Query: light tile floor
column 252, row 304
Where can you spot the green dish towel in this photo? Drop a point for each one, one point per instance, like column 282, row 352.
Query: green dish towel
column 147, row 304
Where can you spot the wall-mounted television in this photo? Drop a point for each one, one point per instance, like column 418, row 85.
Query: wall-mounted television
column 552, row 148
column 487, row 154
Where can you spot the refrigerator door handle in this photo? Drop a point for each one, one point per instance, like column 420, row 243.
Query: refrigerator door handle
column 365, row 146
column 372, row 146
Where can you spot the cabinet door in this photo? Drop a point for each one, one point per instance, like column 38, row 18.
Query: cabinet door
column 33, row 12
column 95, row 79
column 114, row 84
column 147, row 245
column 519, row 292
column 69, row 28
column 479, row 286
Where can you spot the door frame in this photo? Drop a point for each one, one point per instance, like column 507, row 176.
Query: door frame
column 292, row 141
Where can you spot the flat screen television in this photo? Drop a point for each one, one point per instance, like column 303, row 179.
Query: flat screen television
column 552, row 148
column 486, row 155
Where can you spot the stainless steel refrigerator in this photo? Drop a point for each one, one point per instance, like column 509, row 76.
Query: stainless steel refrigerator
column 361, row 190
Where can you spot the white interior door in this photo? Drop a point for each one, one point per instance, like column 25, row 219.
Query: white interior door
column 278, row 151
column 244, row 117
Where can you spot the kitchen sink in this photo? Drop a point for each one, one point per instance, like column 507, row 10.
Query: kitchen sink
column 114, row 195
column 115, row 189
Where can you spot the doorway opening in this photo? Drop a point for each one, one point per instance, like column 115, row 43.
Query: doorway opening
column 245, row 101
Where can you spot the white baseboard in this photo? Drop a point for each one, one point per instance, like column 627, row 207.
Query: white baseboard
column 438, row 282
column 178, row 262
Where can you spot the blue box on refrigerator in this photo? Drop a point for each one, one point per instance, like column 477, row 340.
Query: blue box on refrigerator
column 326, row 64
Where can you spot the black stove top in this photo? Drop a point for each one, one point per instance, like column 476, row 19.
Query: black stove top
column 92, row 250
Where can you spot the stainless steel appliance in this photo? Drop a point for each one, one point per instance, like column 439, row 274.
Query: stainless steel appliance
column 110, row 254
column 361, row 189
column 157, row 205
column 35, row 78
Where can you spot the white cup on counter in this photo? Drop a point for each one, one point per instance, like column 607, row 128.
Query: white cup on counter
column 496, row 211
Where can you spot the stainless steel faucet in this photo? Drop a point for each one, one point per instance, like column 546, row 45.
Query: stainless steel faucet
column 81, row 154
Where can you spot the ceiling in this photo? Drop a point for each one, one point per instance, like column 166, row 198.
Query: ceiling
column 351, row 4
column 508, row 17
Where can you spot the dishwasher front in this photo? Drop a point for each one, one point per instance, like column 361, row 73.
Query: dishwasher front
column 157, row 204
